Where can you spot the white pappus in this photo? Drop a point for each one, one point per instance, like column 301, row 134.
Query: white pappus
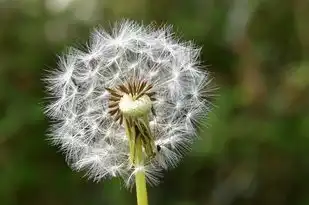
column 152, row 61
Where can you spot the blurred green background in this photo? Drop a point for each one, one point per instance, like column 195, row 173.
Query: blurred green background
column 255, row 147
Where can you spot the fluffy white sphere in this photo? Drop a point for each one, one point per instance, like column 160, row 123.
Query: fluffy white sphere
column 89, row 135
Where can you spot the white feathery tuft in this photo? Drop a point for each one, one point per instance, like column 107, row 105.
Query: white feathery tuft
column 88, row 134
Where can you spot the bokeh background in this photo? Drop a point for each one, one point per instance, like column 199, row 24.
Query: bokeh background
column 254, row 149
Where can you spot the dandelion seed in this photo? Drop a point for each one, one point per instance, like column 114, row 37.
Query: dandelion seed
column 129, row 104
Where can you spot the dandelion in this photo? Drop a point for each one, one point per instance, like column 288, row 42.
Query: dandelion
column 128, row 104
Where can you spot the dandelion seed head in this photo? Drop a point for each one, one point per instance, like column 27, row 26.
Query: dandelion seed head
column 89, row 98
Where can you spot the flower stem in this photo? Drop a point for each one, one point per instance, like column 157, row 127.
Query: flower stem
column 140, row 179
column 136, row 158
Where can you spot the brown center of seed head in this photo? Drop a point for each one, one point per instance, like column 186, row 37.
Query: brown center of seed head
column 135, row 89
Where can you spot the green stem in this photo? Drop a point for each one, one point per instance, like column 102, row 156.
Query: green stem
column 136, row 158
column 140, row 179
